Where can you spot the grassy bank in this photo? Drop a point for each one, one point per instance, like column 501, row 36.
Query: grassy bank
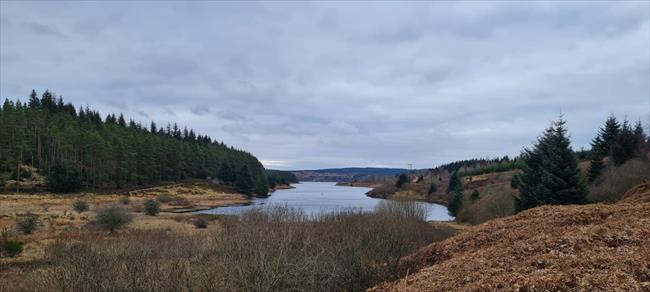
column 277, row 248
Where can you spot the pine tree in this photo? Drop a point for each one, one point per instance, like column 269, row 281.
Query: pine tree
column 624, row 145
column 595, row 167
column 607, row 136
column 401, row 180
column 121, row 121
column 640, row 138
column 455, row 194
column 550, row 173
column 34, row 101
column 244, row 181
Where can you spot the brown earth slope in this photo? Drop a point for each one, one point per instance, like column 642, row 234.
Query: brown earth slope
column 551, row 248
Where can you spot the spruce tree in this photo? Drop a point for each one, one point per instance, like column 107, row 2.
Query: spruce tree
column 595, row 167
column 401, row 180
column 244, row 181
column 607, row 136
column 455, row 194
column 640, row 138
column 550, row 171
column 624, row 146
column 34, row 101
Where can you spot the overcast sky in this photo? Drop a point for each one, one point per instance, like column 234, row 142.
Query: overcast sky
column 314, row 85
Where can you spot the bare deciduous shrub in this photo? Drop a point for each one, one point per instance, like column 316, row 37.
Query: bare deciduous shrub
column 615, row 181
column 28, row 223
column 271, row 249
column 112, row 218
column 409, row 209
column 495, row 205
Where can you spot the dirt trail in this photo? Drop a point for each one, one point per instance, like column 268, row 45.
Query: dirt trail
column 577, row 248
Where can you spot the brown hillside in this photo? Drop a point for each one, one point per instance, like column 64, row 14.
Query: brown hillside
column 550, row 248
column 638, row 194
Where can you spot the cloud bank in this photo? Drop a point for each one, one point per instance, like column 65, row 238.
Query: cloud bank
column 311, row 85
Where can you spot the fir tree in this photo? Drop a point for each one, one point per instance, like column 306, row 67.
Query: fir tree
column 550, row 173
column 455, row 194
column 244, row 181
column 401, row 180
column 34, row 101
column 624, row 146
column 607, row 136
column 121, row 121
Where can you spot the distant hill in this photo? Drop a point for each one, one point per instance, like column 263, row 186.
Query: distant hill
column 347, row 174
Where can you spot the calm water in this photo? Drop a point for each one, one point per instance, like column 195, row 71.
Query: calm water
column 321, row 197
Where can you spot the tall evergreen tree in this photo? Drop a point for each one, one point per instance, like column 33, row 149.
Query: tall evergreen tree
column 642, row 150
column 401, row 180
column 550, row 173
column 244, row 181
column 34, row 101
column 454, row 194
column 607, row 136
column 624, row 145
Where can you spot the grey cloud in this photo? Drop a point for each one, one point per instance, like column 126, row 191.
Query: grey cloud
column 200, row 109
column 323, row 84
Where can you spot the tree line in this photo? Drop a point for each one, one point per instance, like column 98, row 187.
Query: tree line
column 280, row 177
column 77, row 149
column 549, row 170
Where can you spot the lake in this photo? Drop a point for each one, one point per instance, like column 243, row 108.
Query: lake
column 322, row 197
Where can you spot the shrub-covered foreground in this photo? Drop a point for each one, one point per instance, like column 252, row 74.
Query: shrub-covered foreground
column 270, row 249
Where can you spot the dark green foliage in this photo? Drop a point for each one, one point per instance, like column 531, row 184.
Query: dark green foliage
column 498, row 166
column 8, row 247
column 28, row 223
column 432, row 189
column 551, row 174
column 279, row 177
column 12, row 248
column 625, row 145
column 77, row 149
column 607, row 136
column 80, row 206
column 475, row 166
column 244, row 181
column 401, row 180
column 455, row 194
column 151, row 207
column 64, row 178
column 620, row 142
column 454, row 183
column 595, row 168
column 475, row 196
column 112, row 218
column 200, row 223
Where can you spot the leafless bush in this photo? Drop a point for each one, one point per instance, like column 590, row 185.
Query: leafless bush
column 408, row 209
column 271, row 249
column 492, row 206
column 615, row 181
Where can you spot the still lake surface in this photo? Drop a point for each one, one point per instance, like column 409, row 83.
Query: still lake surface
column 316, row 198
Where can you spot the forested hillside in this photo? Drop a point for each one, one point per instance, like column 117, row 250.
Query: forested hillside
column 77, row 149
